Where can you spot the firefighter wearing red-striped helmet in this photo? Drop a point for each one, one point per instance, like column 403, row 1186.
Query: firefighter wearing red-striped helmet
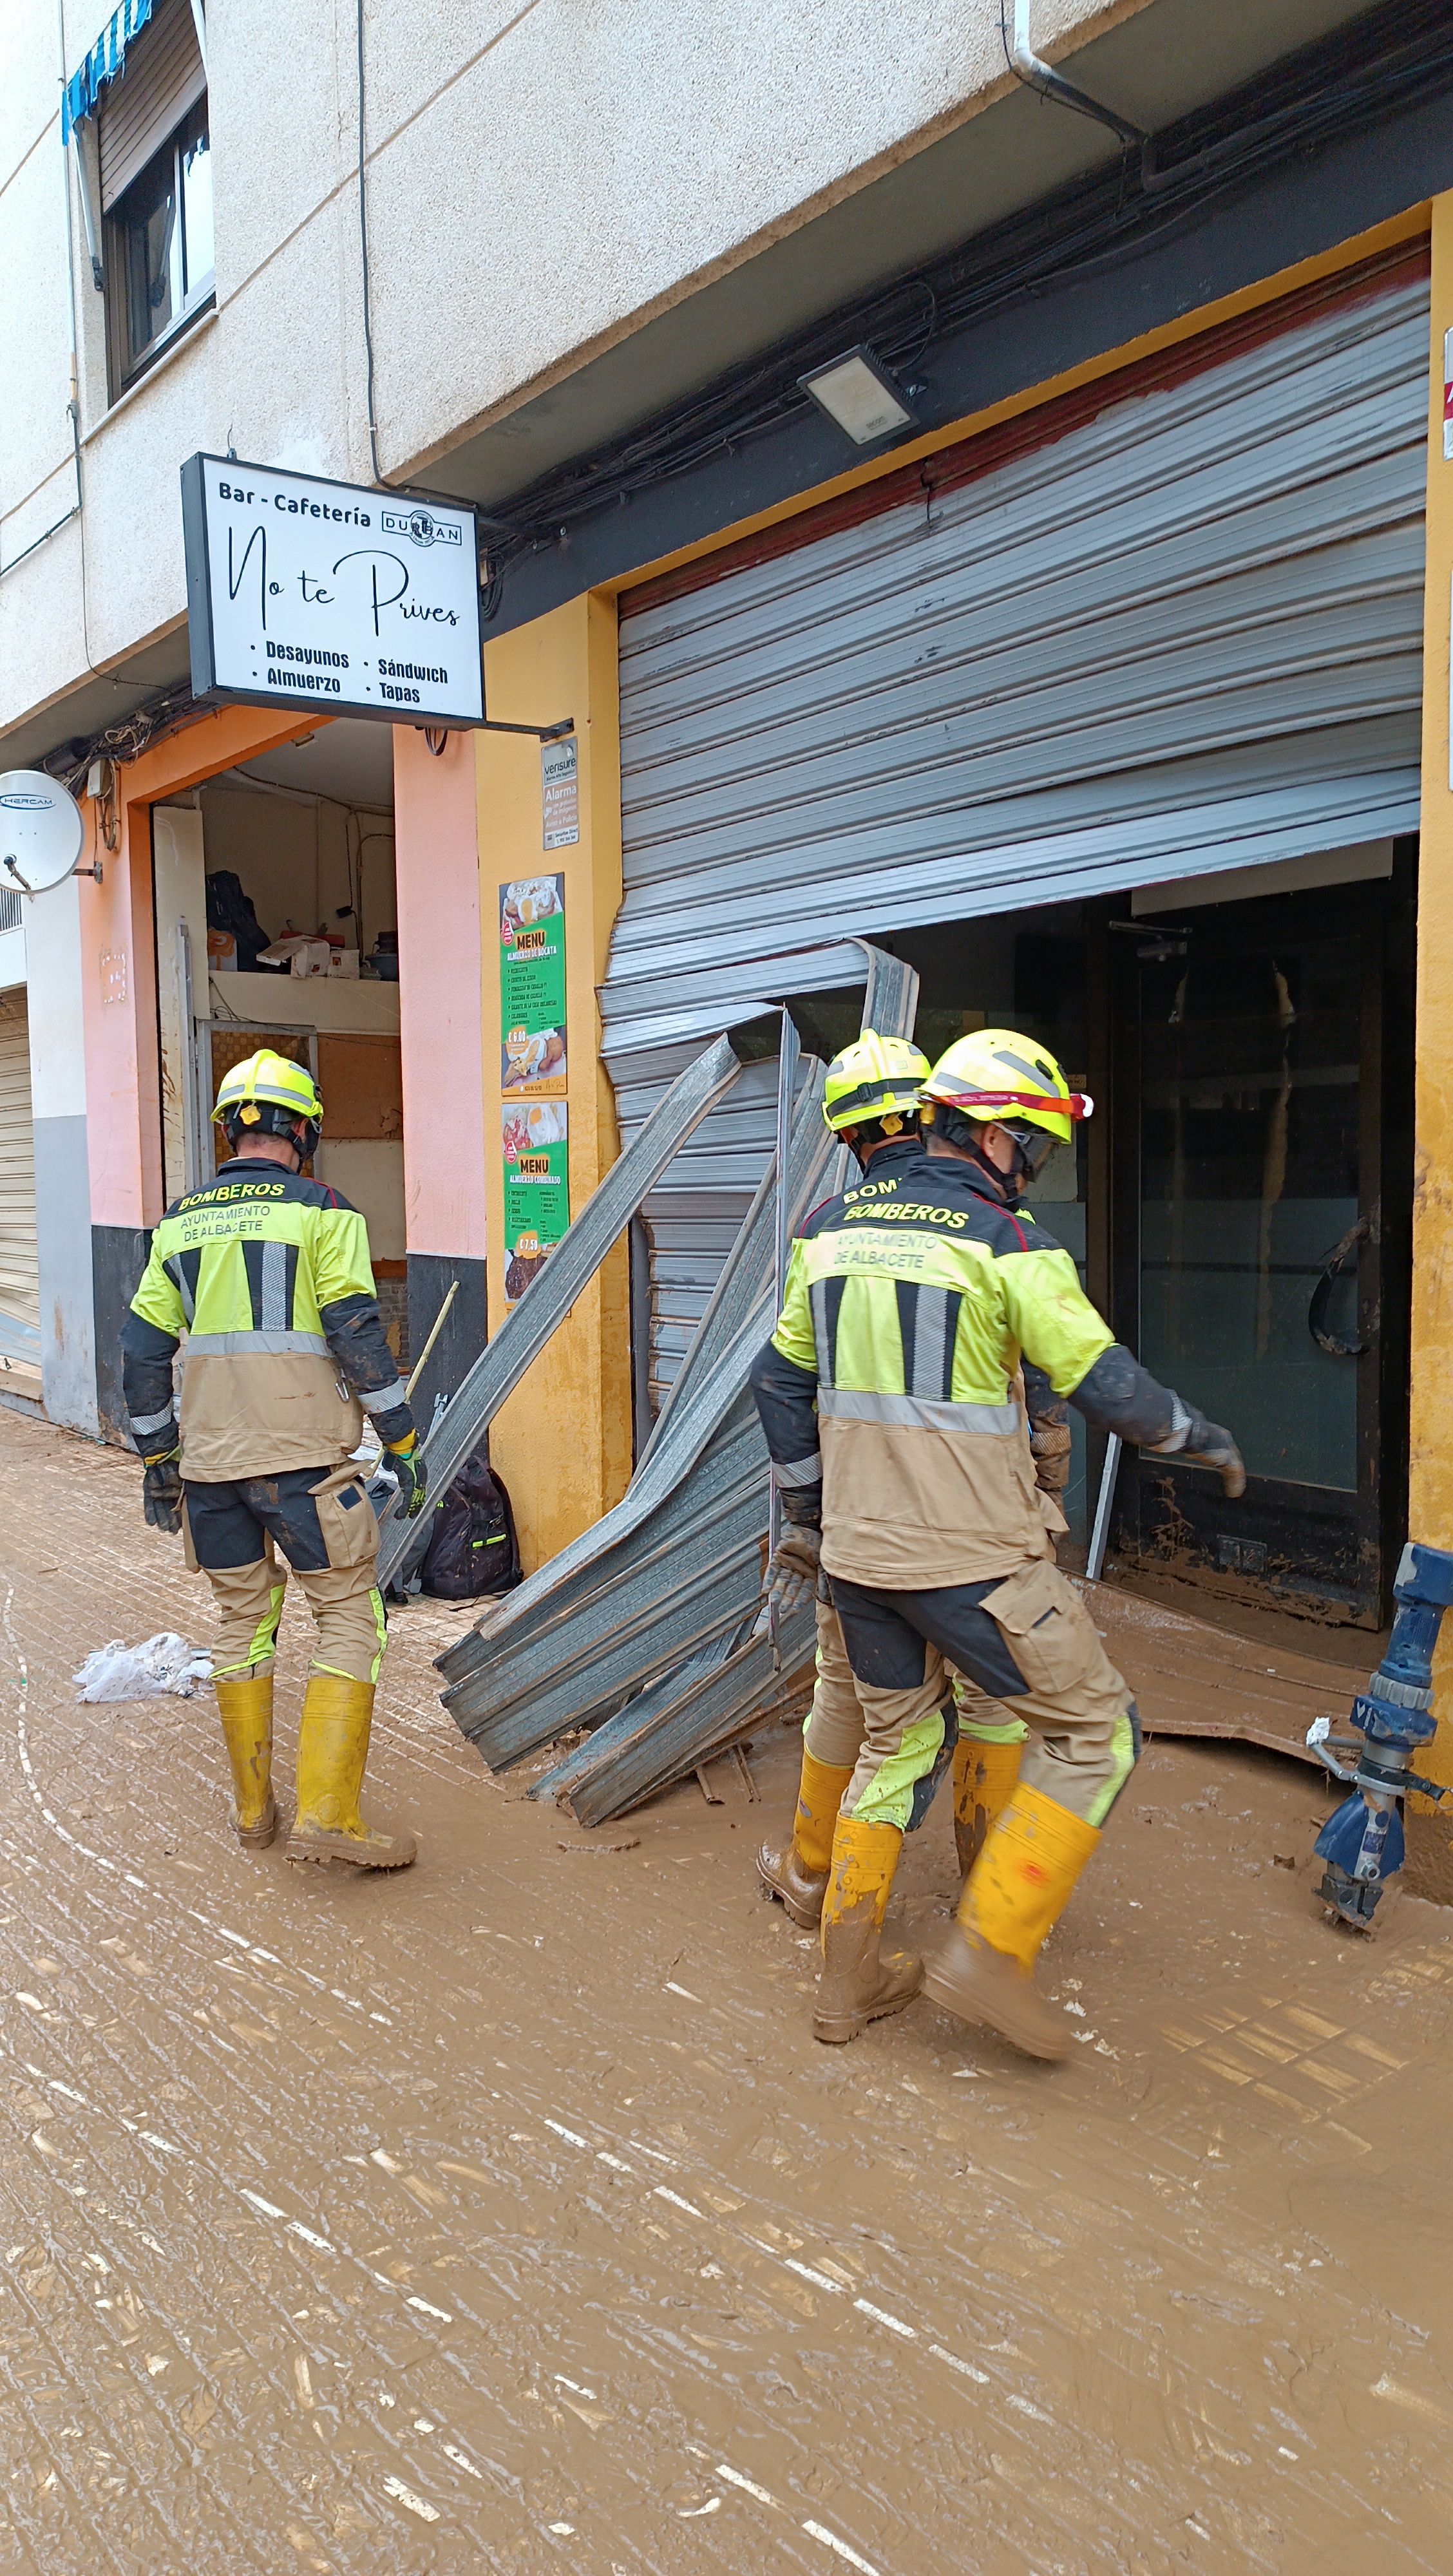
column 888, row 1399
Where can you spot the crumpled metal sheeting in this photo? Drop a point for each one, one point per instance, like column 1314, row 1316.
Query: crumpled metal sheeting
column 627, row 1625
column 694, row 1571
column 552, row 1292
column 689, row 1715
column 559, row 1590
column 643, row 1708
column 714, row 1374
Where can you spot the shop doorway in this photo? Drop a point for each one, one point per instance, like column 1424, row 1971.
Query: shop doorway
column 1259, row 1223
column 276, row 925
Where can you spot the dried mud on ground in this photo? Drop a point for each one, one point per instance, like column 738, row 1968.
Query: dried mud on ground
column 506, row 2216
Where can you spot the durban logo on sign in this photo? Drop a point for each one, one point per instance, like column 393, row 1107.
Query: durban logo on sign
column 420, row 527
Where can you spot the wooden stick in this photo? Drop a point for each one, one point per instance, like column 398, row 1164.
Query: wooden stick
column 417, row 1371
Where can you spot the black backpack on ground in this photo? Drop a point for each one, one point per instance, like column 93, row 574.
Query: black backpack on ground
column 472, row 1546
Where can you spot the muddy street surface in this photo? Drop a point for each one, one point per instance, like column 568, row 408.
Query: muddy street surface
column 505, row 2215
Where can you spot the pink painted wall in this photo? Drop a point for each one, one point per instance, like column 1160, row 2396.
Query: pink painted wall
column 118, row 1000
column 435, row 843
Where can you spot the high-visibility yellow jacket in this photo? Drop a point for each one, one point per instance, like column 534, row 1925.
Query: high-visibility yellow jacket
column 269, row 1277
column 887, row 1389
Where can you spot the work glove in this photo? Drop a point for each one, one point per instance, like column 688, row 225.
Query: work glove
column 161, row 1492
column 1192, row 1436
column 793, row 1566
column 1214, row 1446
column 408, row 1465
column 1050, row 1445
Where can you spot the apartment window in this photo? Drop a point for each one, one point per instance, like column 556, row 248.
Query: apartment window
column 156, row 193
column 160, row 264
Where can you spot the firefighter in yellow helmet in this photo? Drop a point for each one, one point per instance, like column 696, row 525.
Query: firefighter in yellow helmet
column 886, row 1396
column 871, row 1100
column 268, row 1275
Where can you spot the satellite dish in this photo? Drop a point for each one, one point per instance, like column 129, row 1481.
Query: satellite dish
column 42, row 831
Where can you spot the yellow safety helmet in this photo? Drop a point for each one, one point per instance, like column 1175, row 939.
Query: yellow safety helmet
column 874, row 1078
column 268, row 1095
column 999, row 1077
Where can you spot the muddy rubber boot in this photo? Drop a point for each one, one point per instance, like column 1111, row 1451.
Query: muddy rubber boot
column 982, row 1967
column 332, row 1750
column 986, row 1773
column 245, row 1708
column 859, row 1983
column 796, row 1873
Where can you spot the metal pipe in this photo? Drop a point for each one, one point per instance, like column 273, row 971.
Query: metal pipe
column 1101, row 1531
column 1039, row 75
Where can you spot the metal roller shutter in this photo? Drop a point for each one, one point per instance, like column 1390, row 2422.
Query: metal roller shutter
column 162, row 77
column 19, row 1277
column 1183, row 632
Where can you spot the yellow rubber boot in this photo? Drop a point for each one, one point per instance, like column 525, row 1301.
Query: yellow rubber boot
column 857, row 1985
column 332, row 1750
column 983, row 1968
column 986, row 1774
column 797, row 1872
column 245, row 1708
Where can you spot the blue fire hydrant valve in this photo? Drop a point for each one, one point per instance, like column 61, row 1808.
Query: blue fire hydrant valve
column 1362, row 1844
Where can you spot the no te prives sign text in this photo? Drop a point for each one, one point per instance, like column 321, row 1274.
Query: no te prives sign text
column 380, row 580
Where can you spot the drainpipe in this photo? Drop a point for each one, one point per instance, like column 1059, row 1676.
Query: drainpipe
column 1041, row 76
column 1036, row 74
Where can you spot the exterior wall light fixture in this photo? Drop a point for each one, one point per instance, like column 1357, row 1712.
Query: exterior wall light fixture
column 859, row 395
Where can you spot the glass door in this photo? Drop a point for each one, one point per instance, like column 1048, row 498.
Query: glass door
column 1255, row 1038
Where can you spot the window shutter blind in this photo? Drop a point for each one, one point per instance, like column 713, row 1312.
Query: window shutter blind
column 19, row 1282
column 162, row 78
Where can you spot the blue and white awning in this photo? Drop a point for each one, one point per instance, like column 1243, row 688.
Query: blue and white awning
column 106, row 58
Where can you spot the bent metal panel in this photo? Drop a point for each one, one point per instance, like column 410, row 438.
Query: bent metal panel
column 333, row 596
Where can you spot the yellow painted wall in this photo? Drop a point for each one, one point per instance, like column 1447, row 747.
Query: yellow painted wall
column 563, row 1441
column 1430, row 1498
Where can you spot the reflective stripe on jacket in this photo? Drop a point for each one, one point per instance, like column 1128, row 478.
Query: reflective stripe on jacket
column 909, row 1303
column 270, row 1278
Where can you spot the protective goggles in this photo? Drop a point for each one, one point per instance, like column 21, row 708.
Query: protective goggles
column 1035, row 1144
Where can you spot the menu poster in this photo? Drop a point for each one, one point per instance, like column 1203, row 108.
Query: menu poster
column 532, row 988
column 536, row 1187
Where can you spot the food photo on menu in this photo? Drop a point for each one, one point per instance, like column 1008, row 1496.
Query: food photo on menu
column 533, row 1056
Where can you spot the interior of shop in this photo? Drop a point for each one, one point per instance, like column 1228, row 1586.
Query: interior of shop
column 277, row 925
column 1239, row 1205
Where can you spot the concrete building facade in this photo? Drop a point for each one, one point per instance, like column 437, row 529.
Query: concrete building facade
column 1120, row 591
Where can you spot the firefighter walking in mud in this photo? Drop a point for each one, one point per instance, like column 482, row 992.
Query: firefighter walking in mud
column 871, row 1100
column 888, row 1402
column 268, row 1273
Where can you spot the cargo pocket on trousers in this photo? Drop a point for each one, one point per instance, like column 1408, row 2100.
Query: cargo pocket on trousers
column 1051, row 1634
column 346, row 1520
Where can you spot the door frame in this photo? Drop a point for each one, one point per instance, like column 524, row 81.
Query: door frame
column 1362, row 1531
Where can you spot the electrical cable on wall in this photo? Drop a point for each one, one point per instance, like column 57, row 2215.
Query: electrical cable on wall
column 363, row 252
column 1324, row 93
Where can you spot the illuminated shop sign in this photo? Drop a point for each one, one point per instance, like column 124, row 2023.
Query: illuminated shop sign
column 332, row 596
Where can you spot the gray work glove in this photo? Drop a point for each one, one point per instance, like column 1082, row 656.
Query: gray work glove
column 793, row 1567
column 1192, row 1436
column 161, row 1493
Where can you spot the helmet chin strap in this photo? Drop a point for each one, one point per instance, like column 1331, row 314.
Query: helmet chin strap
column 964, row 1133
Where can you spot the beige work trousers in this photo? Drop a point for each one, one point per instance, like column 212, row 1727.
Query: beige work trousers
column 1078, row 1709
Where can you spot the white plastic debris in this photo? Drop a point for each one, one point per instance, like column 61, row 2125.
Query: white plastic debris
column 165, row 1665
column 1319, row 1730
